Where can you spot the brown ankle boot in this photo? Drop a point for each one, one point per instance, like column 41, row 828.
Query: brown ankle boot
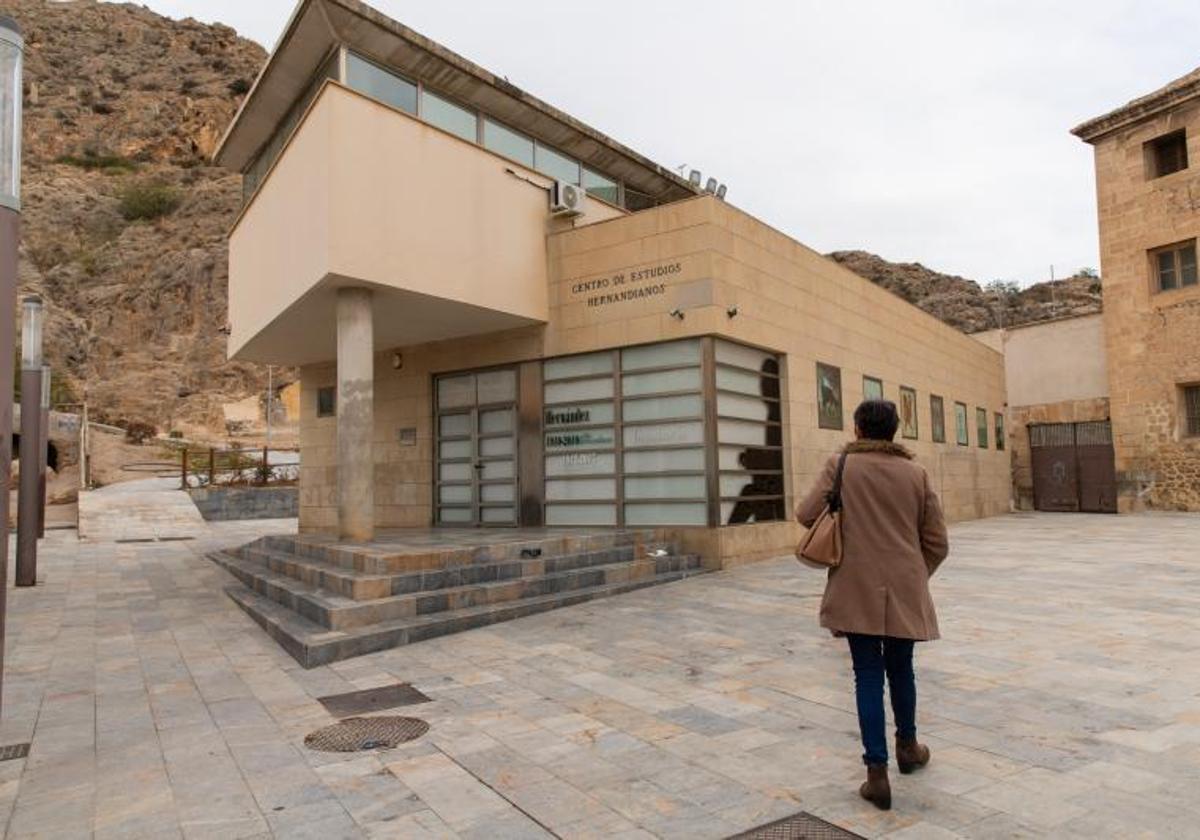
column 876, row 789
column 911, row 755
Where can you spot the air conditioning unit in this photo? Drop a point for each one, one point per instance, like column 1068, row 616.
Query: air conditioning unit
column 567, row 199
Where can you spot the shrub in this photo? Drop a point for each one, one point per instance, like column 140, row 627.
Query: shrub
column 137, row 432
column 104, row 162
column 150, row 200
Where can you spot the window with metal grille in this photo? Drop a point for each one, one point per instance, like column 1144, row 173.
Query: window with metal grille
column 1174, row 266
column 1191, row 410
column 1166, row 154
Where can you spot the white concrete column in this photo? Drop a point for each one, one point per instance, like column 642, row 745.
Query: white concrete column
column 355, row 415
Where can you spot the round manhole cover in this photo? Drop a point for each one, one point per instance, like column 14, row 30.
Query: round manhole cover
column 366, row 733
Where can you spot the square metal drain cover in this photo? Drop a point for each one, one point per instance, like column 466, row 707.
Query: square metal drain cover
column 11, row 751
column 801, row 826
column 372, row 700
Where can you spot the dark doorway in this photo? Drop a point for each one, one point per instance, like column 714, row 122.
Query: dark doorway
column 1073, row 467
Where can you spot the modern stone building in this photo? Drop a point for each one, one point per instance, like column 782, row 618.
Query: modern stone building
column 505, row 318
column 1147, row 182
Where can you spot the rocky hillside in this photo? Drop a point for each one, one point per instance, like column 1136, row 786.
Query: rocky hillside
column 124, row 217
column 964, row 304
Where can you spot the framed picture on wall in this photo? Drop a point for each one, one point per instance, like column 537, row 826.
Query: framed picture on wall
column 872, row 388
column 937, row 418
column 999, row 431
column 981, row 424
column 829, row 396
column 960, row 424
column 908, row 412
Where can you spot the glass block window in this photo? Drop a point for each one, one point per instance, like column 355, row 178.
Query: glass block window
column 749, row 434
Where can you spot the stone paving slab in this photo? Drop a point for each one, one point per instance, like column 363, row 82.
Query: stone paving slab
column 1063, row 702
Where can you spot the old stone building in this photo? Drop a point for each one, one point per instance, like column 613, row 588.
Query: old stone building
column 1147, row 157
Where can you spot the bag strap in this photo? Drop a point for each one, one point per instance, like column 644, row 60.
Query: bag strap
column 834, row 498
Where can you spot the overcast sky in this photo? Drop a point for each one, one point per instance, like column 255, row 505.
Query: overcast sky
column 920, row 130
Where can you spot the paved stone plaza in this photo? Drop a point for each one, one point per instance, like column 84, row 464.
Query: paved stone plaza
column 1061, row 703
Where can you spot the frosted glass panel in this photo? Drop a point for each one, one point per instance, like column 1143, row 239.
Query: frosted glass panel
column 498, row 515
column 742, row 381
column 496, row 422
column 735, row 484
column 587, row 389
column 581, row 488
column 460, row 493
column 666, row 513
column 664, row 460
column 496, row 386
column 737, row 431
column 666, row 380
column 749, row 408
column 582, row 463
column 497, row 493
column 496, row 447
column 454, row 472
column 746, row 357
column 565, row 514
column 664, row 433
column 662, row 407
column 575, row 415
column 666, row 487
column 578, row 366
column 496, row 469
column 455, row 515
column 455, row 449
column 456, row 391
column 454, row 425
column 581, row 439
column 661, row 355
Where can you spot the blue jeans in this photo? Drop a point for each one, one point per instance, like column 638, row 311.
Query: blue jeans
column 874, row 656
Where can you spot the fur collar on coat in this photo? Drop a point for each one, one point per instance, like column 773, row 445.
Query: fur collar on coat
column 885, row 447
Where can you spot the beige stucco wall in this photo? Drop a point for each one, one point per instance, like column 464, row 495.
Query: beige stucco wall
column 1150, row 337
column 1054, row 361
column 366, row 194
column 703, row 257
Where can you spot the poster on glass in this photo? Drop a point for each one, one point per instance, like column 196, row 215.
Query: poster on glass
column 829, row 396
column 908, row 412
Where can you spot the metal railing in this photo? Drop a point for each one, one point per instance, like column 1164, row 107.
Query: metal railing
column 255, row 467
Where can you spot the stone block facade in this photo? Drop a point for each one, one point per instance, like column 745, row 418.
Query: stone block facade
column 1152, row 336
column 722, row 273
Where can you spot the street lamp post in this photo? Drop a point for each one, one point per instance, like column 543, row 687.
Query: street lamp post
column 11, row 48
column 43, row 450
column 31, row 433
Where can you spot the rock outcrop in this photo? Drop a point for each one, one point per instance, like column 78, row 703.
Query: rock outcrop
column 966, row 305
column 124, row 217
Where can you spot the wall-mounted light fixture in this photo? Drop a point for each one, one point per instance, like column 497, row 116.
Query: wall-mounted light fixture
column 732, row 311
column 397, row 361
column 721, row 190
column 710, row 186
column 694, row 177
column 676, row 313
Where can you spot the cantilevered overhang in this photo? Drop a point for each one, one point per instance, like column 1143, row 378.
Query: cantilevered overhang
column 451, row 237
column 318, row 26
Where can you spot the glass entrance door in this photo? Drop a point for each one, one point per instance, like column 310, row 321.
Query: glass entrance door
column 476, row 475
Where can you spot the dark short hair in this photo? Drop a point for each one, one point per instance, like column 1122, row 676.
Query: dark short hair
column 877, row 419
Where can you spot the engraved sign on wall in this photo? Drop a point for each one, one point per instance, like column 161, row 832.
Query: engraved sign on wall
column 632, row 284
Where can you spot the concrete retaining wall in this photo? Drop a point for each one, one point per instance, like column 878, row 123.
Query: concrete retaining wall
column 226, row 503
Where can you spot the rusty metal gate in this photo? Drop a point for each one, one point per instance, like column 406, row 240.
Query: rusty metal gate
column 1073, row 467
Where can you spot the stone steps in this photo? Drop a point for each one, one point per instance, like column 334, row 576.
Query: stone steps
column 325, row 602
column 312, row 645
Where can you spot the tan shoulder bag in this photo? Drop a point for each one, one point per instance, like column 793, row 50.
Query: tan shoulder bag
column 821, row 545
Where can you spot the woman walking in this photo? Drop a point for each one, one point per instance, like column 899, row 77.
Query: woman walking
column 893, row 540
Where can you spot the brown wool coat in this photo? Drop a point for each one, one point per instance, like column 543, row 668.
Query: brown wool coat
column 893, row 540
